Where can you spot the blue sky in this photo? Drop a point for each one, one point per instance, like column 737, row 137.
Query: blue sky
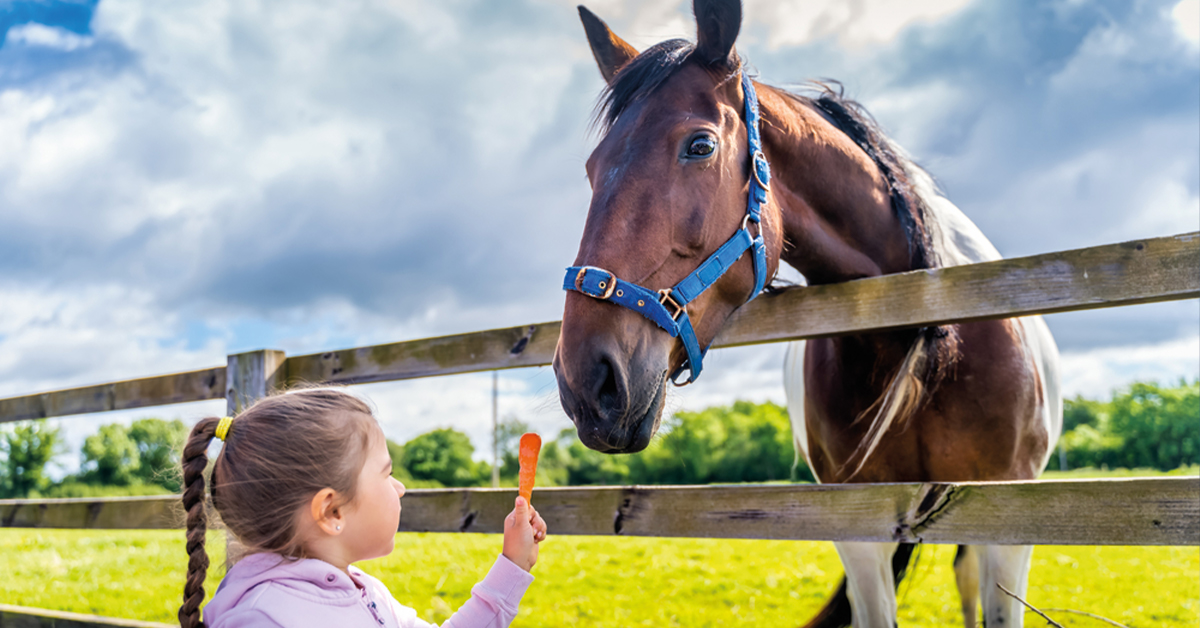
column 187, row 180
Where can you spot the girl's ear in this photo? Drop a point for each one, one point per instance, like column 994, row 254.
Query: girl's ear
column 325, row 512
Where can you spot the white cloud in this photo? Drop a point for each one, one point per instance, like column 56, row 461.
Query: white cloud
column 1096, row 373
column 1187, row 19
column 34, row 34
column 53, row 338
column 852, row 24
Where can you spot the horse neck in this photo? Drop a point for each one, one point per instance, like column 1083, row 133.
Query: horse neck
column 835, row 204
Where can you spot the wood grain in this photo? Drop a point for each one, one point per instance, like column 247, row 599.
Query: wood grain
column 1139, row 511
column 124, row 395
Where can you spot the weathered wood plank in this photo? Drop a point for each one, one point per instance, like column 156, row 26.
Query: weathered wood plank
column 114, row 513
column 1142, row 271
column 513, row 347
column 26, row 617
column 1129, row 273
column 1140, row 511
column 134, row 393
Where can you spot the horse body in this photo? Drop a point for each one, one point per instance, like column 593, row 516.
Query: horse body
column 966, row 431
column 964, row 402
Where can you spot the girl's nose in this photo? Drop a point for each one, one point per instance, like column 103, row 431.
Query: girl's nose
column 399, row 487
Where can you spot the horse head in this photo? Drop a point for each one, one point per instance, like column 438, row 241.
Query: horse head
column 672, row 179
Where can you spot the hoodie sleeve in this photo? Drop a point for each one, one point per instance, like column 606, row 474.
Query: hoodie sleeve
column 493, row 604
column 494, row 601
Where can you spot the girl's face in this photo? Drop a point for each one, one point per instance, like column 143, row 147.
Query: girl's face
column 374, row 518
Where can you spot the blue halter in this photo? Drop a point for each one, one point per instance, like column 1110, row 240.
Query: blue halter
column 668, row 307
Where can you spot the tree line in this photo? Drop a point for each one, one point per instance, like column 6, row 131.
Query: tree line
column 1143, row 426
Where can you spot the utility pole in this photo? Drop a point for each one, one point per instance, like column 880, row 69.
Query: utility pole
column 495, row 429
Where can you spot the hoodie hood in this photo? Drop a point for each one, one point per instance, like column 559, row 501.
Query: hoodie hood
column 306, row 578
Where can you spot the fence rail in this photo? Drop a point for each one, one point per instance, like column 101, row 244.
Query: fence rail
column 1129, row 273
column 1149, row 511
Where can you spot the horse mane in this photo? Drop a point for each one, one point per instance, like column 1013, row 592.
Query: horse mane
column 934, row 350
column 859, row 125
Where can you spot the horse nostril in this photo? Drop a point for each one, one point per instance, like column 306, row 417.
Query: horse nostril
column 607, row 394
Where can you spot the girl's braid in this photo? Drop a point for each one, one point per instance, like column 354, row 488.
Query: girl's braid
column 194, row 460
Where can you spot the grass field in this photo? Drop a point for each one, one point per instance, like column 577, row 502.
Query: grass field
column 612, row 582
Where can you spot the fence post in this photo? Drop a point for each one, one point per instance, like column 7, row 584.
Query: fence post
column 249, row 377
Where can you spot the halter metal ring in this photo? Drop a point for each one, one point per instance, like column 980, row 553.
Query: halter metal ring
column 607, row 286
column 746, row 224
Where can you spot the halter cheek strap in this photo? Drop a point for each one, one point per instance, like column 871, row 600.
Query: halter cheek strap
column 668, row 307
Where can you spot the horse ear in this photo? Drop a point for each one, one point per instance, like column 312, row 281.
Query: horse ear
column 717, row 26
column 611, row 52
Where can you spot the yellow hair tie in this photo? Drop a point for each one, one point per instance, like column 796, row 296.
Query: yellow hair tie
column 223, row 427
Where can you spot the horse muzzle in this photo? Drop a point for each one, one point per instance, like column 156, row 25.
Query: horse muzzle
column 613, row 412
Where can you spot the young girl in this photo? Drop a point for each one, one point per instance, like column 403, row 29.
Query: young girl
column 304, row 482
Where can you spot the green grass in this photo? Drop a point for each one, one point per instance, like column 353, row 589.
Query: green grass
column 1091, row 473
column 607, row 581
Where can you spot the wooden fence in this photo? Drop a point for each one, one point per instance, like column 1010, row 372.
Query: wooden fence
column 1160, row 511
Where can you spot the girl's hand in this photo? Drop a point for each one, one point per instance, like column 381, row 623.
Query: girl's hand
column 524, row 528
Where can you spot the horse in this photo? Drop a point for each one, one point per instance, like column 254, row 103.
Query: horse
column 681, row 164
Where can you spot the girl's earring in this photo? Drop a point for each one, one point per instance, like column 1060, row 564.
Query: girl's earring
column 338, row 528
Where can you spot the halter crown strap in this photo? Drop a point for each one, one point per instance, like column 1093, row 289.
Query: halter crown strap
column 668, row 307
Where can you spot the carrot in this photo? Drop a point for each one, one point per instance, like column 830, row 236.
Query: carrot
column 531, row 446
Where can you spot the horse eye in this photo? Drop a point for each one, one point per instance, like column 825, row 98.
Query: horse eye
column 702, row 146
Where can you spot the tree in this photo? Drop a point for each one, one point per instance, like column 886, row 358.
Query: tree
column 27, row 449
column 1158, row 425
column 1146, row 425
column 1080, row 411
column 110, row 456
column 444, row 455
column 745, row 442
column 159, row 443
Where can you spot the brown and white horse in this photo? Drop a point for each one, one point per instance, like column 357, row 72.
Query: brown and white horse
column 670, row 178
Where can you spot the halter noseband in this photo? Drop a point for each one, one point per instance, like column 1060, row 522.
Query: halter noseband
column 668, row 307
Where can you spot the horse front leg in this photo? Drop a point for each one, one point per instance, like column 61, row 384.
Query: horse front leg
column 1006, row 565
column 871, row 586
column 966, row 576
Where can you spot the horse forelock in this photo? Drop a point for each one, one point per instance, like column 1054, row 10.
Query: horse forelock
column 641, row 77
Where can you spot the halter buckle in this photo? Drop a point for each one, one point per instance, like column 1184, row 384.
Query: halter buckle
column 667, row 301
column 757, row 162
column 607, row 286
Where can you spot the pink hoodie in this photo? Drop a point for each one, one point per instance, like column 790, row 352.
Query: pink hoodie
column 266, row 590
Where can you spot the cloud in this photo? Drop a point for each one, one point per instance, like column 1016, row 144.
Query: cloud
column 1092, row 373
column 851, row 24
column 35, row 34
column 1187, row 18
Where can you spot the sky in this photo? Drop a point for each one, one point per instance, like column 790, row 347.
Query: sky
column 184, row 180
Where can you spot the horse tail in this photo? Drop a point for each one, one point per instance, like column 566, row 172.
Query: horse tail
column 899, row 401
column 836, row 612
